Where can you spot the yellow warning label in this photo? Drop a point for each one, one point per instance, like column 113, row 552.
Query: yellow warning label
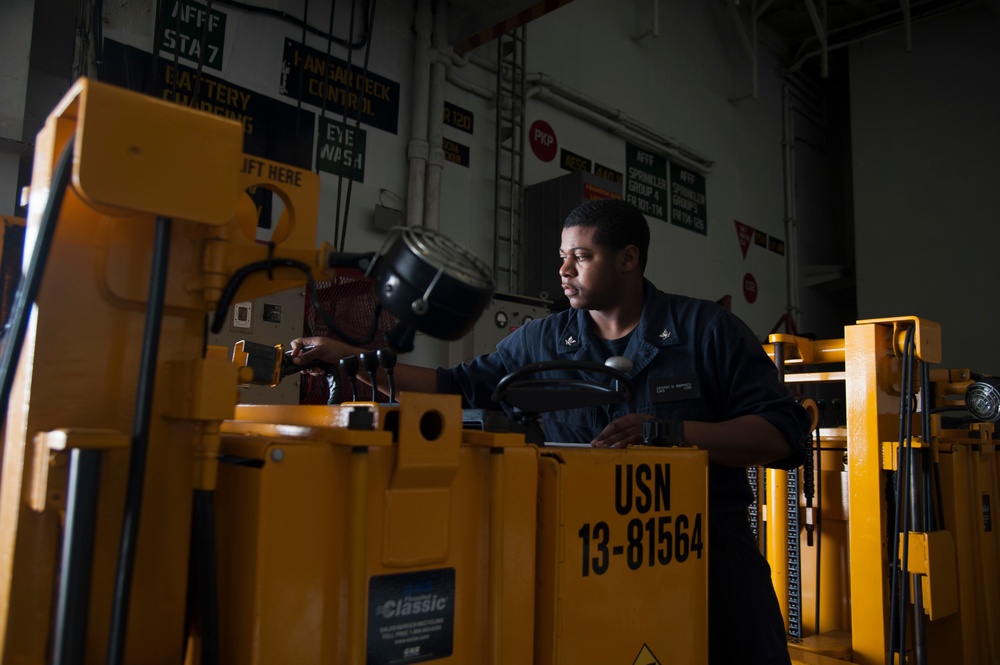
column 645, row 657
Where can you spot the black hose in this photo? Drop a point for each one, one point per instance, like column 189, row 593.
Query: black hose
column 204, row 560
column 285, row 16
column 818, row 522
column 73, row 596
column 233, row 285
column 934, row 494
column 897, row 590
column 357, row 119
column 28, row 289
column 140, row 442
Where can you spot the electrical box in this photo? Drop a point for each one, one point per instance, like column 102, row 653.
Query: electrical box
column 504, row 314
column 272, row 319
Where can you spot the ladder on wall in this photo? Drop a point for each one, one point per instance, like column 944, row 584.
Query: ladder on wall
column 508, row 183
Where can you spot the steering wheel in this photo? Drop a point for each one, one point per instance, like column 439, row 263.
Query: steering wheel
column 534, row 395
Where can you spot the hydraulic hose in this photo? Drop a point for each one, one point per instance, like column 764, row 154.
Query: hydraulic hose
column 140, row 443
column 28, row 289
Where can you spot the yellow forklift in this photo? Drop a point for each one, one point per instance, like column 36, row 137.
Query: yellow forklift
column 147, row 517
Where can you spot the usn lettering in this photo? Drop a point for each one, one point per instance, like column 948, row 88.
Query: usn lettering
column 642, row 488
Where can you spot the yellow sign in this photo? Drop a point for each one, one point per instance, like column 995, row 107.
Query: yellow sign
column 645, row 657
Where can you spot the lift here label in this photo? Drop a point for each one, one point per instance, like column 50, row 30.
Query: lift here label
column 652, row 536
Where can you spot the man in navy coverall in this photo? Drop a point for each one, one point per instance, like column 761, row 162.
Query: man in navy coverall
column 713, row 375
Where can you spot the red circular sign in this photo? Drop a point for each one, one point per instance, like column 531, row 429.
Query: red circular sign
column 542, row 139
column 749, row 288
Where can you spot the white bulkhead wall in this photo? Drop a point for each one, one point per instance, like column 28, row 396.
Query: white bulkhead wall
column 678, row 82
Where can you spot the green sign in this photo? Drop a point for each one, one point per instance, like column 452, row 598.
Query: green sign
column 335, row 86
column 340, row 149
column 687, row 200
column 646, row 181
column 184, row 24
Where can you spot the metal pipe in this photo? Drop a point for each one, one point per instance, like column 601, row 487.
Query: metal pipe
column 435, row 120
column 788, row 167
column 416, row 150
column 616, row 127
column 801, row 57
column 73, row 599
column 447, row 59
column 550, row 91
column 654, row 31
column 777, row 535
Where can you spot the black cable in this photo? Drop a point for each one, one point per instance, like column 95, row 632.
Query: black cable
column 357, row 115
column 298, row 92
column 338, row 232
column 898, row 605
column 27, row 290
column 150, row 84
column 196, row 93
column 233, row 285
column 140, row 442
column 326, row 93
column 818, row 521
column 285, row 16
column 76, row 558
column 97, row 28
column 935, row 492
column 177, row 55
column 204, row 559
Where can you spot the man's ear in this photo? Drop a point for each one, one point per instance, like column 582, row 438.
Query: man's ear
column 628, row 258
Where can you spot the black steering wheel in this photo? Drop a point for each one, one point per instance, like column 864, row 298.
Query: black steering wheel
column 532, row 395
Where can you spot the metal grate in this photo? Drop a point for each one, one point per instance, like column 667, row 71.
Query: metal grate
column 352, row 304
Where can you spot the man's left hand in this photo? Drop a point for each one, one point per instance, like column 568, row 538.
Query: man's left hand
column 621, row 433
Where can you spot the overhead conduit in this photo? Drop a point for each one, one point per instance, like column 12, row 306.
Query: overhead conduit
column 545, row 89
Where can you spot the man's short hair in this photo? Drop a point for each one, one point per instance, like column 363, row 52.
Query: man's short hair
column 617, row 223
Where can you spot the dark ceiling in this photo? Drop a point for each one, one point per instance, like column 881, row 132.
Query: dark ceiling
column 844, row 21
column 793, row 21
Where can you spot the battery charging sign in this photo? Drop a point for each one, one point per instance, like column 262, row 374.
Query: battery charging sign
column 411, row 616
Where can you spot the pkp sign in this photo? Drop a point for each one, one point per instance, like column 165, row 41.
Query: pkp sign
column 542, row 139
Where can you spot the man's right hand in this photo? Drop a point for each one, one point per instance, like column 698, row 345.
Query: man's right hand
column 330, row 351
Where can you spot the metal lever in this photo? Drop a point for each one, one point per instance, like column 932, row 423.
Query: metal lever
column 388, row 360
column 350, row 365
column 369, row 360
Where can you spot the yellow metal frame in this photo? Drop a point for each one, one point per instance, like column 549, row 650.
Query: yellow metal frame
column 319, row 517
column 956, row 565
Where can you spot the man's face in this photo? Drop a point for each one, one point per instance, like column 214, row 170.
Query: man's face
column 589, row 272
